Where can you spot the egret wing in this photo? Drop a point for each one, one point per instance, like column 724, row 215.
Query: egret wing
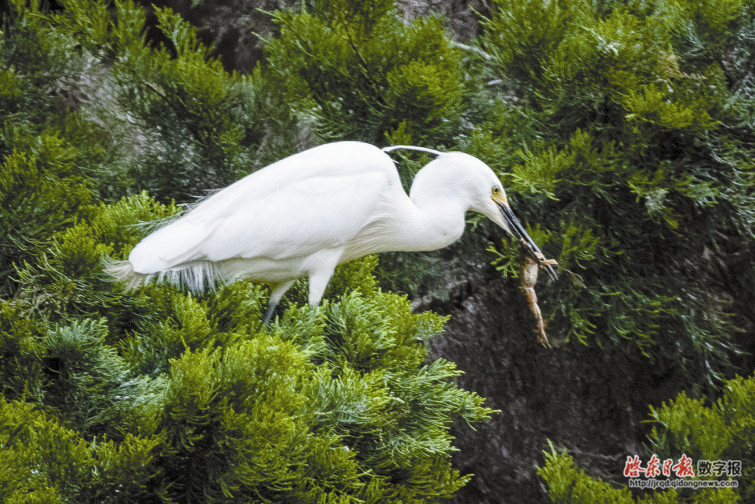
column 312, row 215
column 311, row 201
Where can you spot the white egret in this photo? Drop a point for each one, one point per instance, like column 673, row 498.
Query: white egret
column 307, row 213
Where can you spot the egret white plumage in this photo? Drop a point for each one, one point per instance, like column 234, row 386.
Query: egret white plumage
column 307, row 213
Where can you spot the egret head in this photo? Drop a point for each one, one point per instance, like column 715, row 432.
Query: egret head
column 487, row 196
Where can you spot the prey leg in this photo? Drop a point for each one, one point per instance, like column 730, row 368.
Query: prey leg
column 529, row 279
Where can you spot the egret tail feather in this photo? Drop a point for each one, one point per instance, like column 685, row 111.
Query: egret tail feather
column 198, row 276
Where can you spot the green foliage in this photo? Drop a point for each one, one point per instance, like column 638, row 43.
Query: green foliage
column 39, row 199
column 21, row 352
column 44, row 462
column 84, row 373
column 363, row 73
column 168, row 119
column 567, row 483
column 179, row 85
column 233, row 420
column 41, row 190
column 723, row 430
column 52, row 162
column 68, row 278
column 266, row 423
column 622, row 132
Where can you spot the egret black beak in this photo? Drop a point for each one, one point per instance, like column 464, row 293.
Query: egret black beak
column 529, row 245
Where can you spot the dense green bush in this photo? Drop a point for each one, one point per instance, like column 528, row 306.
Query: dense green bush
column 44, row 182
column 44, row 462
column 622, row 128
column 362, row 73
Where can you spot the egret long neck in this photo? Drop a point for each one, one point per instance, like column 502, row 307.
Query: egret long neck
column 439, row 204
column 427, row 219
column 408, row 227
column 429, row 225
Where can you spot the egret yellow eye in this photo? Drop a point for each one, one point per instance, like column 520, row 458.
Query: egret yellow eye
column 496, row 190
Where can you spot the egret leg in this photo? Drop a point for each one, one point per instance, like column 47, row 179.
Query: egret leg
column 276, row 296
column 319, row 278
column 269, row 313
